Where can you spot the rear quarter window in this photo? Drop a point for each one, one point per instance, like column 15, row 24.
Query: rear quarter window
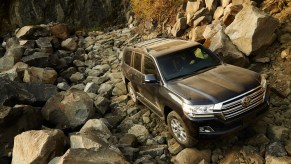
column 137, row 61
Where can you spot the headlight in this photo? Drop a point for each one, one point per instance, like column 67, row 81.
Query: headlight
column 198, row 110
column 263, row 82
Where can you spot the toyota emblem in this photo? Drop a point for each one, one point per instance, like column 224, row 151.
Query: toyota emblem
column 246, row 101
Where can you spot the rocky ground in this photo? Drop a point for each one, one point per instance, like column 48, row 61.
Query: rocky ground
column 63, row 101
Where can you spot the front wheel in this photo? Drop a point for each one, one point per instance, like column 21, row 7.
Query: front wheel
column 179, row 130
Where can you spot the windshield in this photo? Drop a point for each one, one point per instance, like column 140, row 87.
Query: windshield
column 187, row 62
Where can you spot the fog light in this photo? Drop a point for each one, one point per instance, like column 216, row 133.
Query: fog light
column 206, row 129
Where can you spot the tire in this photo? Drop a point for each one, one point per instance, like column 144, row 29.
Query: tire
column 179, row 130
column 132, row 93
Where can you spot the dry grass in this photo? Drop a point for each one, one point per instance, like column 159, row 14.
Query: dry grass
column 157, row 10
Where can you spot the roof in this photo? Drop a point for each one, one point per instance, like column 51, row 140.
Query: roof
column 161, row 46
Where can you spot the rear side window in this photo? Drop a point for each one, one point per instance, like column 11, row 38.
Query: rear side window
column 127, row 57
column 137, row 61
column 149, row 66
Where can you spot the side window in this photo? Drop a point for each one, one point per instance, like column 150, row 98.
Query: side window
column 149, row 66
column 137, row 61
column 127, row 57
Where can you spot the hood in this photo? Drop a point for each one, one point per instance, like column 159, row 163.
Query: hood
column 216, row 85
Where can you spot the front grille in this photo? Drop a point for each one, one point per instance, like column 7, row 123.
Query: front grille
column 234, row 107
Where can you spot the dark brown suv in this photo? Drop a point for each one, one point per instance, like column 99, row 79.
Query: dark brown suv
column 187, row 85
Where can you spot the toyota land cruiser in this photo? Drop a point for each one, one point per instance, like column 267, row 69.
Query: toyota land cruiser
column 191, row 88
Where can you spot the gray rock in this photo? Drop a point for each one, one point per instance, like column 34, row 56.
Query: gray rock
column 174, row 147
column 128, row 140
column 44, row 43
column 69, row 44
column 66, row 74
column 63, row 86
column 105, row 90
column 252, row 34
column 87, row 140
column 15, row 73
column 96, row 126
column 278, row 132
column 38, row 59
column 68, row 109
column 140, row 132
column 43, row 145
column 91, row 87
column 6, row 63
column 276, row 149
column 101, row 104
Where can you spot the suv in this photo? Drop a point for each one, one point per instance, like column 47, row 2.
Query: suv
column 191, row 88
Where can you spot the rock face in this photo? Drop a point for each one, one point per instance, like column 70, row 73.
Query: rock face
column 251, row 29
column 75, row 13
column 38, row 146
column 68, row 109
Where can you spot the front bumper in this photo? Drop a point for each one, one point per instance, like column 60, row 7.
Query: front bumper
column 225, row 127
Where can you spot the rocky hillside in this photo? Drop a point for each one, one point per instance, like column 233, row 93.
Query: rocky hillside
column 63, row 100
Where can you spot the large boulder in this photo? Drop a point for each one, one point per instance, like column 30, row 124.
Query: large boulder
column 68, row 109
column 40, row 75
column 81, row 155
column 15, row 120
column 252, row 29
column 179, row 27
column 218, row 42
column 38, row 146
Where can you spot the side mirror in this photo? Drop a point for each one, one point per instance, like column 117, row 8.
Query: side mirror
column 150, row 78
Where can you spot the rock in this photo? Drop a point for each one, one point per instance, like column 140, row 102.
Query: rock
column 119, row 89
column 113, row 120
column 68, row 109
column 286, row 54
column 211, row 5
column 259, row 140
column 102, row 156
column 28, row 44
column 179, row 27
column 224, row 3
column 96, row 126
column 16, row 51
column 91, row 87
column 202, row 13
column 41, row 92
column 31, row 32
column 88, row 141
column 77, row 77
column 251, row 156
column 218, row 42
column 12, row 93
column 40, row 75
column 16, row 73
column 276, row 149
column 278, row 132
column 140, row 132
column 288, row 149
column 69, row 44
column 278, row 160
column 192, row 155
column 6, row 63
column 251, row 29
column 14, row 121
column 152, row 150
column 230, row 12
column 174, row 147
column 66, row 74
column 45, row 45
column 60, row 30
column 38, row 59
column 196, row 33
column 128, row 140
column 63, row 86
column 262, row 59
column 105, row 90
column 193, row 7
column 43, row 145
column 101, row 104
column 218, row 13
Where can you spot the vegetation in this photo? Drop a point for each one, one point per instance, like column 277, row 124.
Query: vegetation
column 157, row 10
